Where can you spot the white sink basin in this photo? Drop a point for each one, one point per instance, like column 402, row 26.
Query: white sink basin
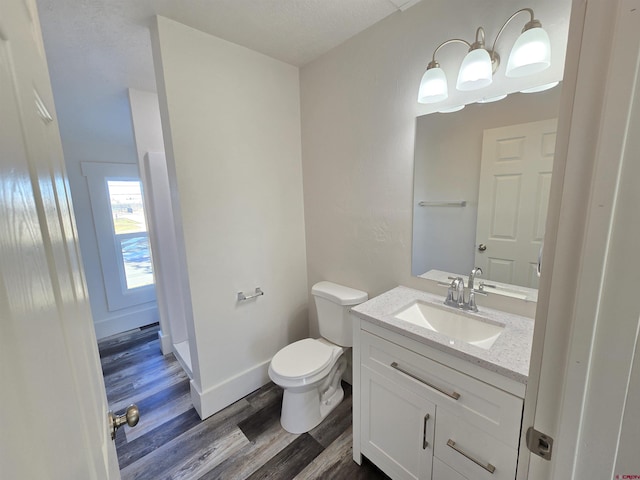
column 452, row 324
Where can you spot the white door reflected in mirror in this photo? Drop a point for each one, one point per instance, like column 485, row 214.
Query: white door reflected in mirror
column 515, row 180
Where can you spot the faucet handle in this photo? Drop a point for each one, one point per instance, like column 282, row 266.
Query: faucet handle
column 482, row 286
column 452, row 295
column 458, row 286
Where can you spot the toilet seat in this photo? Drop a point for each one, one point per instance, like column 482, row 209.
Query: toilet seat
column 303, row 362
column 301, row 358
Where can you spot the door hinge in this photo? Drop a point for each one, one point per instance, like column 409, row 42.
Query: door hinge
column 539, row 443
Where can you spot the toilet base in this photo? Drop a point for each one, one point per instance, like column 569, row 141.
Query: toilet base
column 304, row 409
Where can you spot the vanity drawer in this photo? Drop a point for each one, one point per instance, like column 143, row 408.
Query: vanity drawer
column 471, row 451
column 442, row 471
column 482, row 405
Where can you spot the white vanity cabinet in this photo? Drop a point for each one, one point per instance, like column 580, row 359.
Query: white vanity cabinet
column 419, row 414
column 397, row 427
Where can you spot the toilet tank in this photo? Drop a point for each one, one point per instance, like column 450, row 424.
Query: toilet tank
column 333, row 302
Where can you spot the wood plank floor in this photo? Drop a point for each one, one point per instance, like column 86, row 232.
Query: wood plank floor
column 245, row 440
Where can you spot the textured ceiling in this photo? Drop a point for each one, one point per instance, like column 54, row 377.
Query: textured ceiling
column 108, row 40
column 97, row 49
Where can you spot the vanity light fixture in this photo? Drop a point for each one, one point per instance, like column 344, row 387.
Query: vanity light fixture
column 530, row 54
column 492, row 99
column 457, row 108
column 540, row 88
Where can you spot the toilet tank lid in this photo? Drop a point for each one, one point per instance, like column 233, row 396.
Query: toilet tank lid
column 339, row 294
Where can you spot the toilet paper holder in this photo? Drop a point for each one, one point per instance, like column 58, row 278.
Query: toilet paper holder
column 242, row 297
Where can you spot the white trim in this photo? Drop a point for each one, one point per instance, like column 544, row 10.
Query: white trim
column 182, row 352
column 128, row 321
column 224, row 394
column 166, row 344
column 117, row 294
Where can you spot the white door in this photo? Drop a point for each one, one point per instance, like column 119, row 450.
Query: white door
column 582, row 378
column 53, row 403
column 515, row 177
column 397, row 428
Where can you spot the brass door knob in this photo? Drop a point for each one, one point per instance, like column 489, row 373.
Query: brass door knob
column 131, row 416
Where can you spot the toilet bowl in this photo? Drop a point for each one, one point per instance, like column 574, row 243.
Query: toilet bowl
column 310, row 370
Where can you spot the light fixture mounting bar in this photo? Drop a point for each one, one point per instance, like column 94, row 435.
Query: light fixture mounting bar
column 447, row 42
column 532, row 23
column 479, row 43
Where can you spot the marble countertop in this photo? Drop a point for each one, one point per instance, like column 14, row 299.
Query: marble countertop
column 508, row 356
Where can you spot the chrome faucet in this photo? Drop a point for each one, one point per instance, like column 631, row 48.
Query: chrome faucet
column 476, row 272
column 455, row 293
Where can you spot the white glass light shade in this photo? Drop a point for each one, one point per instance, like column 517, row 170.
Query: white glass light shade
column 476, row 70
column 530, row 54
column 457, row 108
column 540, row 88
column 497, row 98
column 433, row 86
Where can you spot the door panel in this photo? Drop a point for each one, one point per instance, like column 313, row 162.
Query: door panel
column 48, row 348
column 515, row 180
column 396, row 424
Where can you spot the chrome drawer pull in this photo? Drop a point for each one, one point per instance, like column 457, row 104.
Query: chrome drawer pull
column 454, row 395
column 488, row 467
column 425, row 444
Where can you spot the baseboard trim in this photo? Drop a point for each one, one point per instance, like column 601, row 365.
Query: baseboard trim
column 166, row 345
column 182, row 352
column 215, row 398
column 128, row 321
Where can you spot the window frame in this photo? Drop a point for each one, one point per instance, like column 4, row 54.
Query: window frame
column 118, row 295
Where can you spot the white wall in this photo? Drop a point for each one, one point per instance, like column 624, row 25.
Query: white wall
column 83, row 140
column 231, row 120
column 448, row 153
column 358, row 123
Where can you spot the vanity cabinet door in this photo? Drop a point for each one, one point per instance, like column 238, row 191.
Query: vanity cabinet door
column 397, row 428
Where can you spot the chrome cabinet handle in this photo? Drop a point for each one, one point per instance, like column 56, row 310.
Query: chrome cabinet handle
column 454, row 395
column 425, row 444
column 487, row 466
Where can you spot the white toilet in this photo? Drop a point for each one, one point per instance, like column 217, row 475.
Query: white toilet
column 310, row 370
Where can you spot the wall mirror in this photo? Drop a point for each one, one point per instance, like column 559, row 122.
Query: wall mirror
column 481, row 186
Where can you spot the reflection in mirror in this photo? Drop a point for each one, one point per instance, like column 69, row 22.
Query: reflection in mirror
column 481, row 187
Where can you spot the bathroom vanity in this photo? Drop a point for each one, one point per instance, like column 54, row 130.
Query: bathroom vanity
column 438, row 396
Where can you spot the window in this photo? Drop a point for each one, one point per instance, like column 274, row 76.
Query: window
column 130, row 230
column 121, row 230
